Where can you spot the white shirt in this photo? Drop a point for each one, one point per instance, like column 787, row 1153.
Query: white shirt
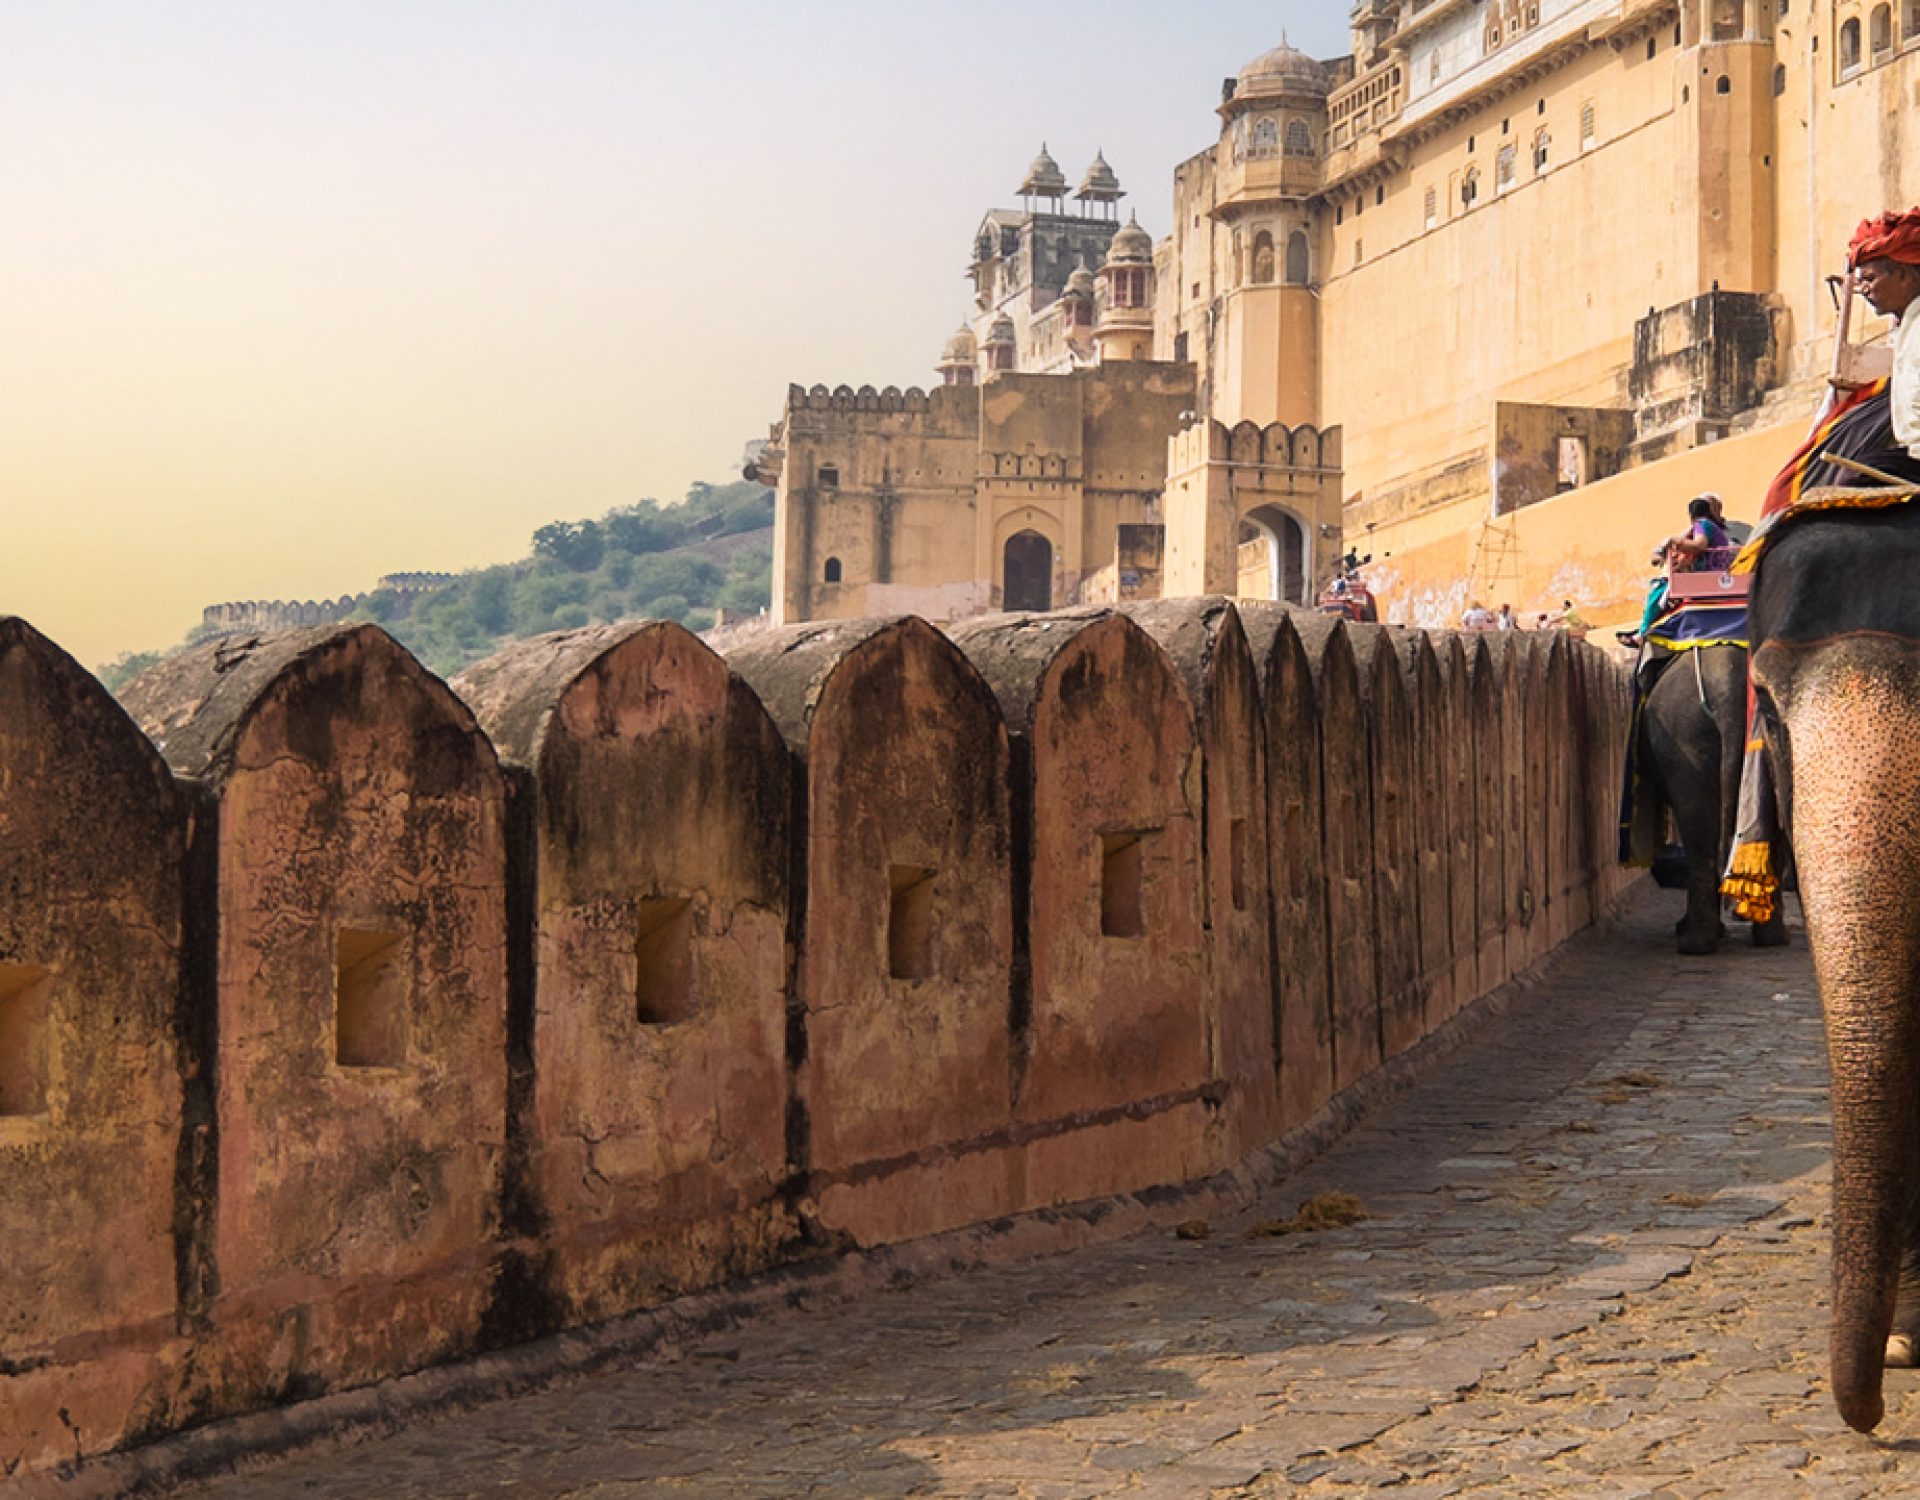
column 1905, row 394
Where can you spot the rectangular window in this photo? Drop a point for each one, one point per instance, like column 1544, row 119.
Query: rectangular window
column 371, row 974
column 663, row 967
column 1122, row 913
column 24, row 989
column 829, row 477
column 910, row 922
column 1586, row 125
column 1433, row 208
column 1503, row 168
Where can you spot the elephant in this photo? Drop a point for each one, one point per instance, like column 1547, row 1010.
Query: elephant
column 1692, row 726
column 1835, row 626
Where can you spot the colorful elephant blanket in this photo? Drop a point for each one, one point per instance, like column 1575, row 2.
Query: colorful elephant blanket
column 1858, row 429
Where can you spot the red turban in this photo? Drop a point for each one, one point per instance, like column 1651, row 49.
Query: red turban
column 1890, row 237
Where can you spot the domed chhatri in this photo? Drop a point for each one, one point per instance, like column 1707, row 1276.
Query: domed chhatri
column 959, row 358
column 1044, row 178
column 1001, row 332
column 1132, row 246
column 1284, row 67
column 1080, row 283
column 1100, row 185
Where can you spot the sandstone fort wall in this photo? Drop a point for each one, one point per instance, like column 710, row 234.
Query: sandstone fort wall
column 351, row 1024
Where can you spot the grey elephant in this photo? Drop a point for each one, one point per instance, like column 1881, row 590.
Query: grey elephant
column 1835, row 623
column 1692, row 738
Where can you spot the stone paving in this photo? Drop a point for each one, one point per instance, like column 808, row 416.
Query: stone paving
column 1595, row 1265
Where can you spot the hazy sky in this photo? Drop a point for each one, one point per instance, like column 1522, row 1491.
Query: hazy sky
column 294, row 295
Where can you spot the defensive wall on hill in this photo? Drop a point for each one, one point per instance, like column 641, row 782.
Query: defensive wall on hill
column 353, row 1022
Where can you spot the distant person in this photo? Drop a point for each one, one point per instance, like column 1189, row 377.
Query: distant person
column 1505, row 619
column 1476, row 617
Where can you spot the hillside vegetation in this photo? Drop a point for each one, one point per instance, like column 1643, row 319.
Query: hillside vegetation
column 685, row 562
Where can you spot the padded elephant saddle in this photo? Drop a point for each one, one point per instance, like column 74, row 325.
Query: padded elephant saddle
column 1707, row 606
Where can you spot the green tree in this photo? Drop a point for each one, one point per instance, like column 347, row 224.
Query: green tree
column 128, row 665
column 578, row 545
column 492, row 606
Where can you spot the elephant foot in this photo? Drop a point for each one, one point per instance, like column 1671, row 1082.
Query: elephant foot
column 1771, row 933
column 1900, row 1351
column 1696, row 943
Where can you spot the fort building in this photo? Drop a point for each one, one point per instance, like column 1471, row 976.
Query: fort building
column 1488, row 298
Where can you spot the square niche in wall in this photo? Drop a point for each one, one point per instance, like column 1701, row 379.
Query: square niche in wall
column 24, row 1023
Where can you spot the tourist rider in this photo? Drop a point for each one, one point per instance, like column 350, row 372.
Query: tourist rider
column 1705, row 533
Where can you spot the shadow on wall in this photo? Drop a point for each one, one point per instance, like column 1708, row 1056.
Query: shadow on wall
column 351, row 1024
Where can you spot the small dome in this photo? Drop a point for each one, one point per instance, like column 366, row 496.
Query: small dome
column 1044, row 178
column 1100, row 184
column 1002, row 330
column 1080, row 283
column 1131, row 246
column 960, row 349
column 1285, row 65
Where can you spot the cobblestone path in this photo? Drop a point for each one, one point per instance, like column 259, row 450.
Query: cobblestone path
column 1595, row 1266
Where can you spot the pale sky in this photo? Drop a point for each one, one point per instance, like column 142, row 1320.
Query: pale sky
column 294, row 295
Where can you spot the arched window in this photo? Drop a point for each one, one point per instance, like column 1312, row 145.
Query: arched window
column 1586, row 126
column 1729, row 20
column 1779, row 79
column 1266, row 139
column 1881, row 31
column 1262, row 258
column 1723, row 85
column 1299, row 259
column 1299, row 138
column 1432, row 208
column 831, row 573
column 1469, row 187
column 1542, row 149
column 1910, row 23
column 1027, row 572
column 1240, row 139
column 1490, row 40
column 1850, row 49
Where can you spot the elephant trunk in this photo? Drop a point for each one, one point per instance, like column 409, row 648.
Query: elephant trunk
column 1854, row 733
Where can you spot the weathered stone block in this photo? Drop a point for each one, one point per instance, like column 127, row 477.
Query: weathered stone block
column 1463, row 833
column 1432, row 824
column 1208, row 647
column 1297, row 860
column 91, row 843
column 1347, row 781
column 357, row 814
column 907, row 946
column 650, row 1007
column 1489, row 811
column 1106, row 750
column 1394, row 848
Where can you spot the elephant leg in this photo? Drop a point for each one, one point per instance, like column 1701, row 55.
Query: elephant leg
column 1684, row 746
column 1772, row 933
column 1903, row 1343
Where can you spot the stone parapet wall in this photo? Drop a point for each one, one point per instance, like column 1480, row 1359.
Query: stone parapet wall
column 351, row 1024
